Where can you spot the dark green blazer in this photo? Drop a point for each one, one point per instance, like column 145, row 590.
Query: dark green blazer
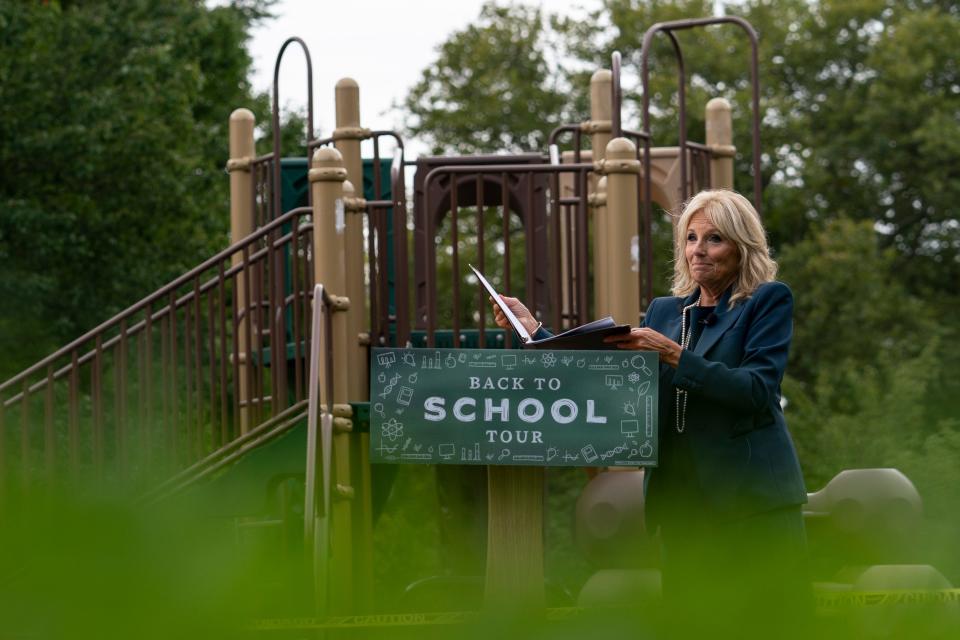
column 742, row 453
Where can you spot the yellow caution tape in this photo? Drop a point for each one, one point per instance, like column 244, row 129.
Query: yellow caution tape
column 831, row 599
column 824, row 600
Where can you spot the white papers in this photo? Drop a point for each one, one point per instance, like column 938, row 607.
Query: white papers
column 512, row 319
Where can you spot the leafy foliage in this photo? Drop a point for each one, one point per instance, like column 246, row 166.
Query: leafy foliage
column 859, row 104
column 113, row 122
column 492, row 88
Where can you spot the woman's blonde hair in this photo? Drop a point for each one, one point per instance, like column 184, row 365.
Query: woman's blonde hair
column 736, row 220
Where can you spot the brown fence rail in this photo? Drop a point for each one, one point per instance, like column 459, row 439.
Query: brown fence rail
column 180, row 374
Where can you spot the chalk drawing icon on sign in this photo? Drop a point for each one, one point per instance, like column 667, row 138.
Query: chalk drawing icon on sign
column 614, row 381
column 628, row 409
column 503, row 455
column 410, row 359
column 629, row 427
column 431, row 362
column 405, row 395
column 387, row 390
column 450, row 361
column 589, row 453
column 470, row 455
column 509, row 361
column 649, row 417
column 527, row 458
column 548, row 360
column 602, row 366
column 386, row 360
column 633, row 377
column 447, row 450
column 392, row 429
column 482, row 364
column 412, row 378
column 386, row 450
column 378, row 409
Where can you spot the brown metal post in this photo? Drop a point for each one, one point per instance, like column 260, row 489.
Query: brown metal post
column 329, row 230
column 601, row 111
column 719, row 138
column 622, row 169
column 242, row 152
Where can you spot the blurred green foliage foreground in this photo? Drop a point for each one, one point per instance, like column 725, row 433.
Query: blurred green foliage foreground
column 101, row 567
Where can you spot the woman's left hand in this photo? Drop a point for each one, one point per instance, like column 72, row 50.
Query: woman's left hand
column 646, row 339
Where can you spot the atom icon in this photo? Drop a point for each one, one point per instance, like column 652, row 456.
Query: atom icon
column 548, row 359
column 634, row 377
column 392, row 430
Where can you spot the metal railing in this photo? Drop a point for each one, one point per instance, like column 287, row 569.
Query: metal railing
column 559, row 311
column 184, row 372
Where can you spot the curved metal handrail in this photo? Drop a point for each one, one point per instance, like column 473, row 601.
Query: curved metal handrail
column 678, row 25
column 616, row 97
column 275, row 123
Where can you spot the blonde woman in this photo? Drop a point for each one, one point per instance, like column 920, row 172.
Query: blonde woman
column 727, row 493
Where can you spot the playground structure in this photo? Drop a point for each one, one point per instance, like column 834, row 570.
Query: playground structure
column 271, row 336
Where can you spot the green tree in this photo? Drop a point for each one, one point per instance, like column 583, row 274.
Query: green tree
column 113, row 129
column 492, row 88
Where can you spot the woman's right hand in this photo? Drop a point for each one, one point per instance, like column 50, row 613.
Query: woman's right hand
column 519, row 310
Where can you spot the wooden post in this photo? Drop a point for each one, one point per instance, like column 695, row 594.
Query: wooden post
column 326, row 182
column 242, row 152
column 623, row 171
column 719, row 138
column 514, row 581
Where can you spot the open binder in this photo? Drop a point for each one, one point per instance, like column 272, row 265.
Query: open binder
column 587, row 336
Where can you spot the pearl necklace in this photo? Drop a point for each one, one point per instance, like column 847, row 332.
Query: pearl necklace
column 680, row 409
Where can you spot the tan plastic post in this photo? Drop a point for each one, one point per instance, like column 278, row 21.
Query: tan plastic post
column 623, row 171
column 242, row 152
column 601, row 280
column 348, row 135
column 326, row 183
column 360, row 467
column 568, row 189
column 719, row 138
column 601, row 112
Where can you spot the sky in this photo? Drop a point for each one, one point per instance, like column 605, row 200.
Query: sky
column 382, row 44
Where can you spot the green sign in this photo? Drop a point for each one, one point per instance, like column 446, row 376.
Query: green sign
column 496, row 407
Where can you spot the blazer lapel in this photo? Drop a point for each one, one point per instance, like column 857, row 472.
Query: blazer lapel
column 724, row 320
column 673, row 328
